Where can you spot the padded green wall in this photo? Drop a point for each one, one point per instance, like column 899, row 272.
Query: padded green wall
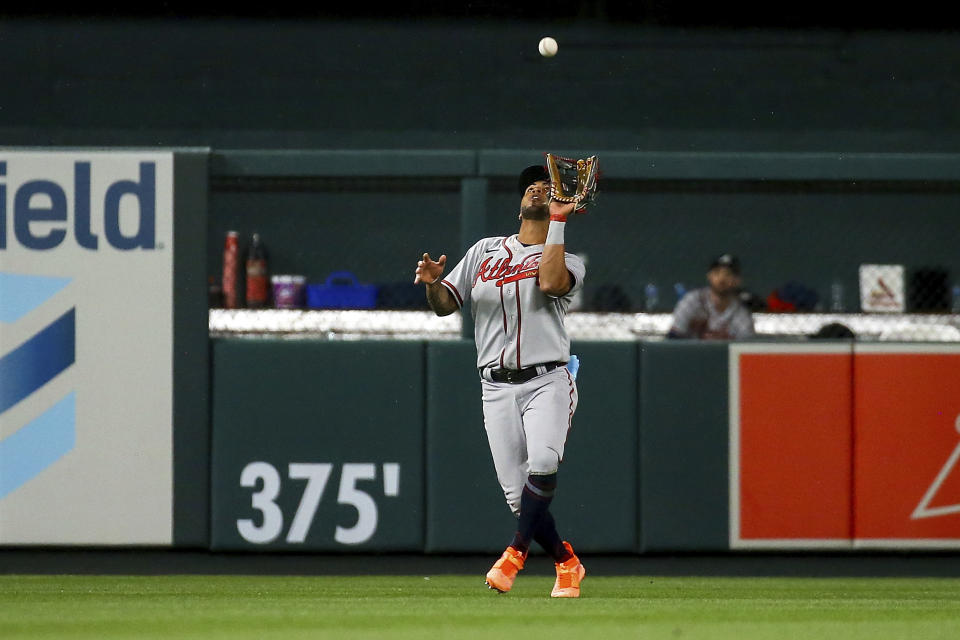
column 466, row 507
column 191, row 358
column 595, row 503
column 317, row 402
column 417, row 404
column 683, row 446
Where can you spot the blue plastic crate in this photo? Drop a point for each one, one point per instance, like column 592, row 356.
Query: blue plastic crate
column 341, row 291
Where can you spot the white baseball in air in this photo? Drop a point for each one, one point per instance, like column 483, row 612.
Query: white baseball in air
column 548, row 47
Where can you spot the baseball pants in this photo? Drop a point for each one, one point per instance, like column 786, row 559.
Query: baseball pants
column 527, row 426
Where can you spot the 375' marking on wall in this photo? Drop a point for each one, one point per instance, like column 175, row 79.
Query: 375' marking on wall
column 316, row 474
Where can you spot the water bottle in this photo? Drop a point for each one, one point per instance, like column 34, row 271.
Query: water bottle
column 680, row 290
column 231, row 273
column 955, row 299
column 258, row 281
column 651, row 297
column 836, row 297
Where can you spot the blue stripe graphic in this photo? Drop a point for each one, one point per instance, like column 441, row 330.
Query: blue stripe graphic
column 38, row 444
column 19, row 294
column 38, row 360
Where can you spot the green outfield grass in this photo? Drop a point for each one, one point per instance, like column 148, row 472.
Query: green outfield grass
column 461, row 607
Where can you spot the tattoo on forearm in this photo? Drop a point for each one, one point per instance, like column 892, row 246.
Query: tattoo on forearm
column 440, row 300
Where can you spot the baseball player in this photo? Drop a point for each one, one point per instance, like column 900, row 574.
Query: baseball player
column 520, row 287
column 714, row 312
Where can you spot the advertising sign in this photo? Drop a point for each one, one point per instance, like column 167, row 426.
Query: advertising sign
column 86, row 347
column 849, row 448
column 790, row 446
column 907, row 430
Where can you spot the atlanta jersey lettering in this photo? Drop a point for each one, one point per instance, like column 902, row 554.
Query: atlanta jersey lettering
column 515, row 324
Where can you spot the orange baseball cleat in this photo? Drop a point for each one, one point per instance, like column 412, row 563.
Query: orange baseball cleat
column 504, row 570
column 569, row 575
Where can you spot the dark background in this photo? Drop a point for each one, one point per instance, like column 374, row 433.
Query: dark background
column 650, row 75
column 815, row 14
column 692, row 77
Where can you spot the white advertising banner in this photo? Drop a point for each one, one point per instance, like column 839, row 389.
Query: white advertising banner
column 86, row 347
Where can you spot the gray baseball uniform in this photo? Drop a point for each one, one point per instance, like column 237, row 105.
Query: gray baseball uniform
column 517, row 327
column 695, row 314
column 515, row 324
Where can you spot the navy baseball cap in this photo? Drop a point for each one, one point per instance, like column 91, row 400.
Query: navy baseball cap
column 726, row 260
column 530, row 175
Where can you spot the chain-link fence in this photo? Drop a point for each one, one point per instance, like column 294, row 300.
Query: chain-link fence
column 817, row 258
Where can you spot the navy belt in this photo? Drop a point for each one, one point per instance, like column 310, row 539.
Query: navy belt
column 518, row 376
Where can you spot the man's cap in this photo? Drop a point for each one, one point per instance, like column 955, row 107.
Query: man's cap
column 726, row 260
column 532, row 174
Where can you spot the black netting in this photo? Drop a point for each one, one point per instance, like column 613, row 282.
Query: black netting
column 875, row 258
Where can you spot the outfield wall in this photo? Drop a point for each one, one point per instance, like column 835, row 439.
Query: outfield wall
column 675, row 447
column 169, row 438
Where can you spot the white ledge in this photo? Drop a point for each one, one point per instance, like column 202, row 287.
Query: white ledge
column 347, row 324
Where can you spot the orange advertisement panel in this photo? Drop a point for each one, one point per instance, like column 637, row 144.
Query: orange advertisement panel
column 791, row 454
column 906, row 469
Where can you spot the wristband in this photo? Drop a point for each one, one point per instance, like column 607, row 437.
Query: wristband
column 555, row 232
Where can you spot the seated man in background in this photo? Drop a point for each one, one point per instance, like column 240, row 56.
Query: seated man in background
column 714, row 312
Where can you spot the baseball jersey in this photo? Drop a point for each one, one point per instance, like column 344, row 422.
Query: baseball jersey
column 695, row 314
column 516, row 325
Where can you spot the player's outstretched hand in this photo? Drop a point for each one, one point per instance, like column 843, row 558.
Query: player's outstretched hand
column 560, row 210
column 429, row 271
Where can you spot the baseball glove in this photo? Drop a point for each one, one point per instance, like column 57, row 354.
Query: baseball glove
column 573, row 180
